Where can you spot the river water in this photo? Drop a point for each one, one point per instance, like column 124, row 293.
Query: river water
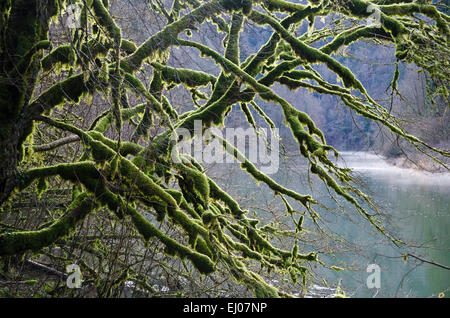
column 416, row 207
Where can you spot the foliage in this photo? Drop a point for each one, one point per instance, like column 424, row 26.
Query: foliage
column 133, row 176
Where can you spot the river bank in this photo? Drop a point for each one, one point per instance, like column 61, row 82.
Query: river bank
column 420, row 163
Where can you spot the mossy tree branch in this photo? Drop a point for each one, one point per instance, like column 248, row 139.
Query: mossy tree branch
column 131, row 178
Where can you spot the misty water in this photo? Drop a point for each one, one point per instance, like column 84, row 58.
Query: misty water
column 416, row 209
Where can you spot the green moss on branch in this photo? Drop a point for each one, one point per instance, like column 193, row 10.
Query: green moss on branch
column 107, row 21
column 202, row 262
column 63, row 54
column 13, row 243
column 187, row 77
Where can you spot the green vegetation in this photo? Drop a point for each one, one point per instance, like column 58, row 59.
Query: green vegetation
column 121, row 176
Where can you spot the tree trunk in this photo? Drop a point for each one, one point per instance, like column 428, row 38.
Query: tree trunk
column 24, row 26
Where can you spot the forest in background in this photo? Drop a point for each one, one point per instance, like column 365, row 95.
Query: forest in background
column 374, row 66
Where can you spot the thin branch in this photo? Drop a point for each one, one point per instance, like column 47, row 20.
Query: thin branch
column 427, row 261
column 56, row 143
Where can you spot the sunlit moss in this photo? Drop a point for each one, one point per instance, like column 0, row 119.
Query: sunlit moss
column 194, row 185
column 202, row 262
column 107, row 21
column 216, row 230
column 63, row 54
column 190, row 78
